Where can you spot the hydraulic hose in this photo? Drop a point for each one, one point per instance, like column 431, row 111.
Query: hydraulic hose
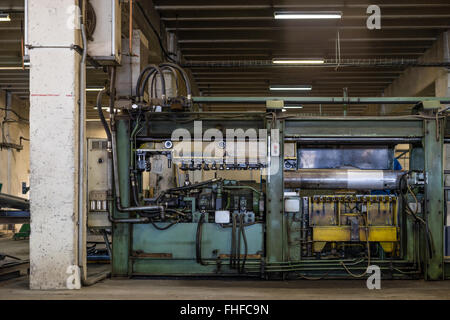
column 183, row 74
column 163, row 228
column 117, row 193
column 101, row 115
column 153, row 82
column 244, row 237
column 198, row 241
column 141, row 87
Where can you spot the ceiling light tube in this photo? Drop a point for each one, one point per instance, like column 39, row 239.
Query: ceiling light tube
column 95, row 89
column 291, row 88
column 293, row 107
column 4, row 17
column 307, row 15
column 297, row 61
column 14, row 68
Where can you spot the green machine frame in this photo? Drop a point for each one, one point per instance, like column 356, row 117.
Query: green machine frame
column 173, row 250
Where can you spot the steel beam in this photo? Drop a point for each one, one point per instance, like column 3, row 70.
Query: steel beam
column 434, row 197
column 276, row 234
column 121, row 231
column 323, row 100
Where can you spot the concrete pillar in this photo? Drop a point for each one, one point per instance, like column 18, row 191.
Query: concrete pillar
column 131, row 66
column 415, row 81
column 54, row 115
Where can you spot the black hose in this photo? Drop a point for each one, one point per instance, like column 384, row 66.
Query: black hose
column 244, row 237
column 192, row 186
column 233, row 242
column 241, row 218
column 153, row 83
column 163, row 228
column 134, row 189
column 139, row 80
column 3, row 256
column 112, row 93
column 198, row 240
column 183, row 73
column 140, row 85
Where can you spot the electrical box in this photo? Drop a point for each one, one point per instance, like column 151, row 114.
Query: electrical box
column 99, row 183
column 274, row 104
column 104, row 34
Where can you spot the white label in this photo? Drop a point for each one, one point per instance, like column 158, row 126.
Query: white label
column 157, row 166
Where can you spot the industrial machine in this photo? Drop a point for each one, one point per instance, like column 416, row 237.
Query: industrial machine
column 312, row 197
column 14, row 210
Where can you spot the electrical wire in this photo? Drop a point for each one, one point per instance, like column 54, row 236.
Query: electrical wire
column 368, row 253
column 233, row 242
column 15, row 113
column 244, row 237
column 198, row 240
column 413, row 213
column 163, row 228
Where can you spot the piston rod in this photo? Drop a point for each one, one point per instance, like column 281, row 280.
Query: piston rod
column 353, row 179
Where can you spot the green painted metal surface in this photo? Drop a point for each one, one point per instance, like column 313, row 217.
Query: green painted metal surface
column 121, row 231
column 354, row 128
column 179, row 240
column 434, row 197
column 275, row 234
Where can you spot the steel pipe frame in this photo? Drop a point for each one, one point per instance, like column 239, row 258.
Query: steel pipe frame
column 323, row 100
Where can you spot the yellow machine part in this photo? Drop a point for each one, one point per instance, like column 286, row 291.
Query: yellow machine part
column 385, row 235
column 328, row 219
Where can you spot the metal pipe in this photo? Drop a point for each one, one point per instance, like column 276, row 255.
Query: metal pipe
column 13, row 202
column 117, row 190
column 377, row 62
column 101, row 116
column 81, row 145
column 131, row 29
column 26, row 27
column 353, row 179
column 323, row 100
column 353, row 140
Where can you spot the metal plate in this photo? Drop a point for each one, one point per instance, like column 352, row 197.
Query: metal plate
column 332, row 157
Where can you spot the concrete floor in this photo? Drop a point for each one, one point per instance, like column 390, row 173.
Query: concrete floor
column 137, row 289
column 199, row 289
column 16, row 248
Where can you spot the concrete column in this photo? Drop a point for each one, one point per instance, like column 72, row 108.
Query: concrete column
column 416, row 81
column 54, row 115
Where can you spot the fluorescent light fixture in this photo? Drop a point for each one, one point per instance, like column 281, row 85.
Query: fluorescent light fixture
column 4, row 17
column 293, row 107
column 13, row 68
column 297, row 61
column 307, row 15
column 291, row 88
column 95, row 89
